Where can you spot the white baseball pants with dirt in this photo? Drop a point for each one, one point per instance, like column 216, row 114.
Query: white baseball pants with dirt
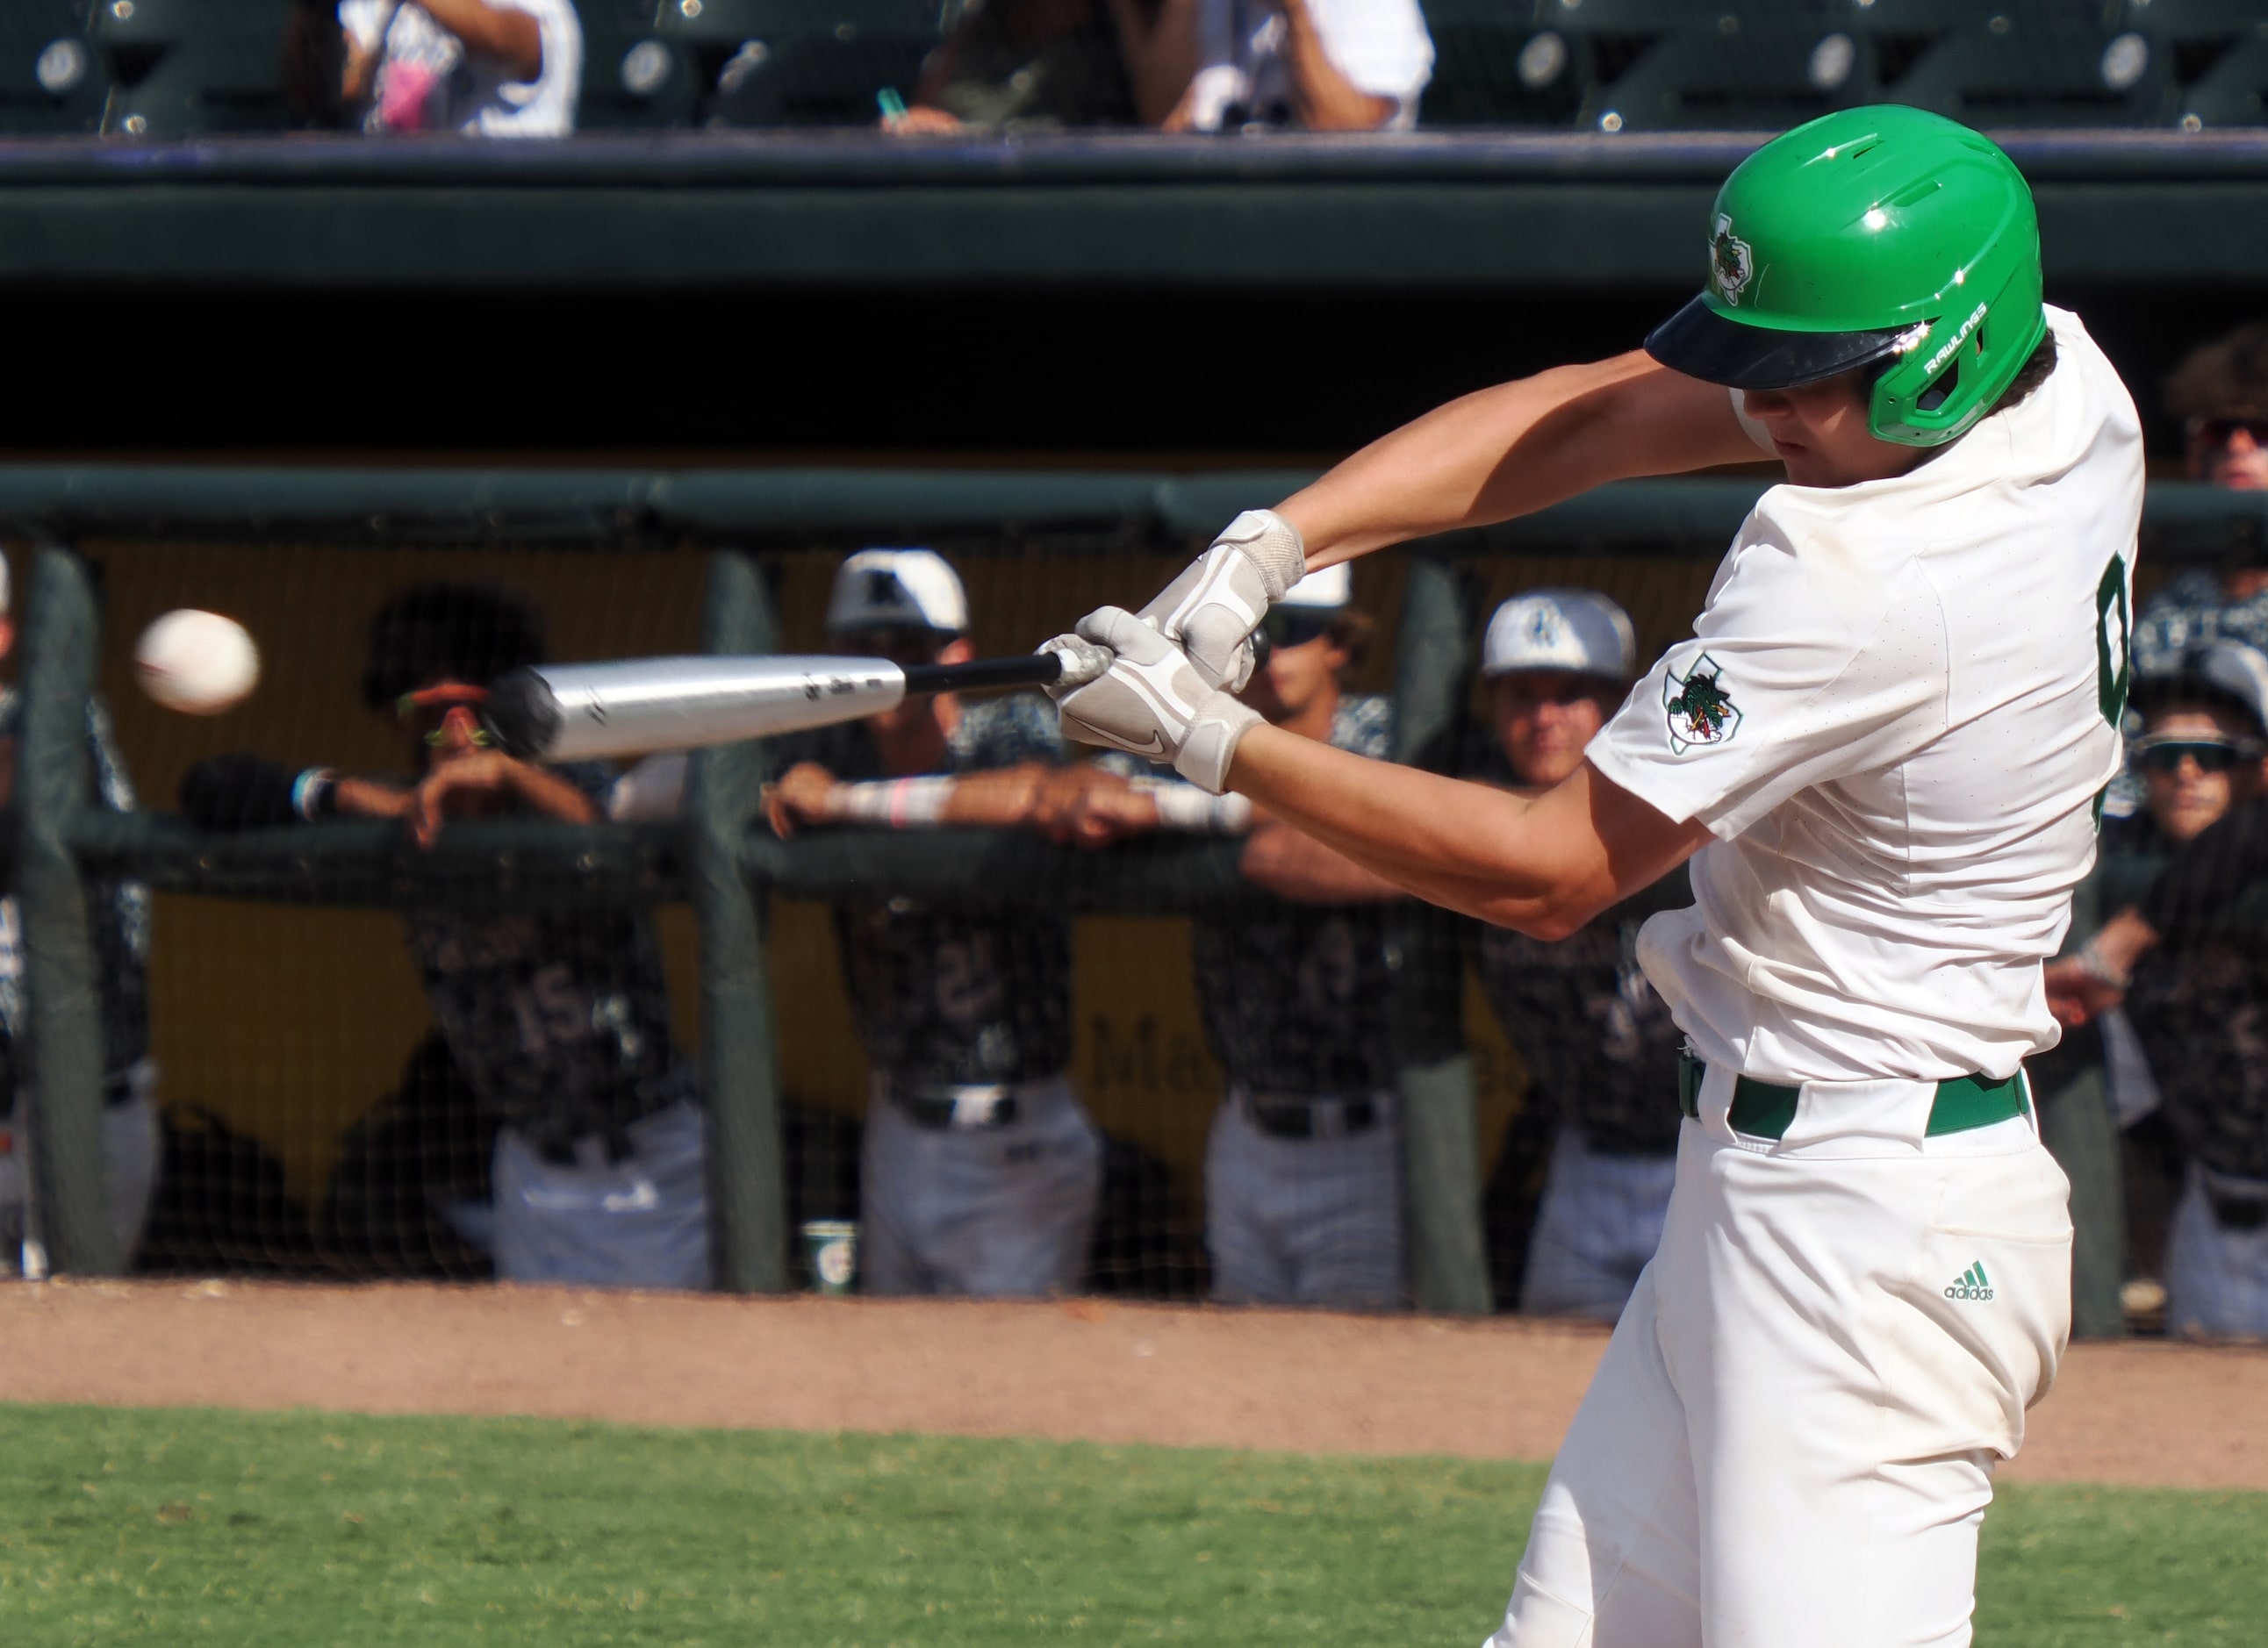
column 1790, row 1440
column 995, row 1210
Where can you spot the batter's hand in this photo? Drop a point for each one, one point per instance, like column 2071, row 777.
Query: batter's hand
column 1213, row 607
column 1151, row 700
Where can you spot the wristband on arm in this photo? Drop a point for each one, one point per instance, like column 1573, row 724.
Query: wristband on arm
column 1182, row 806
column 896, row 803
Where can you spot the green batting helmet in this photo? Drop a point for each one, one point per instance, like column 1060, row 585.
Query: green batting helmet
column 1870, row 235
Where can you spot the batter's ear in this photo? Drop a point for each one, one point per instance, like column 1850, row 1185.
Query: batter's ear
column 959, row 650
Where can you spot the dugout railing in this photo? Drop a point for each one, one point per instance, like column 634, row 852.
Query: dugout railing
column 713, row 858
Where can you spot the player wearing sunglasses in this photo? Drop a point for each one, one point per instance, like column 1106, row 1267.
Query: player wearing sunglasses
column 2172, row 1025
column 556, row 1013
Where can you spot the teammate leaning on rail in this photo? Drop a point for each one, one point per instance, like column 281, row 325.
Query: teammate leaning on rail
column 982, row 1171
column 557, row 1018
column 1881, row 751
column 1597, row 1039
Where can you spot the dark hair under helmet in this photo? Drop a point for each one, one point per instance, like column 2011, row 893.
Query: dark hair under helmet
column 454, row 632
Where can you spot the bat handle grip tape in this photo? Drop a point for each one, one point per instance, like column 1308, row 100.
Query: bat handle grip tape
column 1038, row 669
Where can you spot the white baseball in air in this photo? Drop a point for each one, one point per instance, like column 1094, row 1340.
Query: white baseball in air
column 198, row 663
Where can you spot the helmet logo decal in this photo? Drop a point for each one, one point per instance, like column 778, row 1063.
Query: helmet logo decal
column 1700, row 711
column 1945, row 349
column 1731, row 264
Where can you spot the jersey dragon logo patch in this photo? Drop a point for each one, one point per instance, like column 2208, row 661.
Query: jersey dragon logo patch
column 1730, row 260
column 1700, row 711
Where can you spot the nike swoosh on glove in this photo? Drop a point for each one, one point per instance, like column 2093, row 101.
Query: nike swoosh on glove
column 1212, row 608
column 1150, row 702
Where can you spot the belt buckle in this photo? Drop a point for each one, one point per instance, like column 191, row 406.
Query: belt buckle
column 975, row 1108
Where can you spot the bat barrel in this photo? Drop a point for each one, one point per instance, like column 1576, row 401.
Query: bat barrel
column 591, row 711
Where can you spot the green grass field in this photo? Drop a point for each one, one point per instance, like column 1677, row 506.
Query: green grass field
column 303, row 1530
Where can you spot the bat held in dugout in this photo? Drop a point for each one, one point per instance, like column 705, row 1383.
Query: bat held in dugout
column 563, row 712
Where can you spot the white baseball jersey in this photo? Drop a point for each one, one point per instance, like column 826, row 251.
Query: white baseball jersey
column 1895, row 715
column 428, row 81
column 1380, row 46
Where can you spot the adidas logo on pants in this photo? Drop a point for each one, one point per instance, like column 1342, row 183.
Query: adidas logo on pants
column 1970, row 1284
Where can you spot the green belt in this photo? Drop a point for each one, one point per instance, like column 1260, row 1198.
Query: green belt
column 1764, row 1109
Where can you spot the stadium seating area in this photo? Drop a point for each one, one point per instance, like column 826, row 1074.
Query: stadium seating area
column 172, row 67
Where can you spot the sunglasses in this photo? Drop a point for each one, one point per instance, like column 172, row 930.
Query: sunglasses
column 2212, row 755
column 435, row 705
column 1293, row 625
column 2219, row 431
column 899, row 644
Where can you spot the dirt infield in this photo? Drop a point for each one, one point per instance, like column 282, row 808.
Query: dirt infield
column 2148, row 1414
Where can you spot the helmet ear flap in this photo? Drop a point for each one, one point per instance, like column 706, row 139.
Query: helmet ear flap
column 1943, row 382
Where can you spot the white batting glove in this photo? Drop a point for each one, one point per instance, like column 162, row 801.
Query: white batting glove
column 1214, row 607
column 1150, row 701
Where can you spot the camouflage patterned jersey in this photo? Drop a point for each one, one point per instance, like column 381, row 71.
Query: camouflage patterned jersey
column 120, row 914
column 559, row 1021
column 2190, row 612
column 947, row 997
column 2200, row 1001
column 1598, row 1040
column 1297, row 1002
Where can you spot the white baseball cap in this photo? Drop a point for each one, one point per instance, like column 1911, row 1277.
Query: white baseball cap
column 897, row 589
column 2238, row 670
column 1331, row 588
column 1579, row 631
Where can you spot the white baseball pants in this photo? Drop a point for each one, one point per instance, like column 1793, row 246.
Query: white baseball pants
column 1305, row 1221
column 1598, row 1228
column 1790, row 1441
column 642, row 1222
column 997, row 1212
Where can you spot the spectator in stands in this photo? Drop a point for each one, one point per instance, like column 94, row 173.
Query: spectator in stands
column 556, row 1015
column 118, row 918
column 1599, row 1043
column 1303, row 1176
column 2187, row 956
column 1326, row 65
column 484, row 68
column 1038, row 65
column 2221, row 394
column 981, row 1170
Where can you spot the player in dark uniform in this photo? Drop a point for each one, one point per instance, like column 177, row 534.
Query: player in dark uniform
column 1598, row 1040
column 2187, row 956
column 1303, row 1175
column 557, row 1018
column 982, row 1171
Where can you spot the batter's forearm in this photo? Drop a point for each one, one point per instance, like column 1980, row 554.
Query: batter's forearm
column 1460, row 845
column 1515, row 449
column 1543, row 865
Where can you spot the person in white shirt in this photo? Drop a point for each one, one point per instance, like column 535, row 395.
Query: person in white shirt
column 483, row 68
column 1882, row 751
column 1328, row 65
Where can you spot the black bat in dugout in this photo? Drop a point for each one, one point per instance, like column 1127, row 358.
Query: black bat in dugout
column 585, row 711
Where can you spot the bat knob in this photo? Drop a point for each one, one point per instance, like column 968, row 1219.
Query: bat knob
column 522, row 714
column 1083, row 661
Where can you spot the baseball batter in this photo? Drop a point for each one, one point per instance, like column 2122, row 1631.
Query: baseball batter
column 1881, row 751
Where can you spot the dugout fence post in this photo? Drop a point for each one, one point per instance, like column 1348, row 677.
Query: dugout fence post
column 1441, row 1174
column 748, row 1218
column 60, row 1048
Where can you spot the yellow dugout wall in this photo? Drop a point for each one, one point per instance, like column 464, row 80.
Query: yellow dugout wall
column 290, row 1023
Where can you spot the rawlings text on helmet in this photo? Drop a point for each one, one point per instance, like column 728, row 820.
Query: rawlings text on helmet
column 1945, row 351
